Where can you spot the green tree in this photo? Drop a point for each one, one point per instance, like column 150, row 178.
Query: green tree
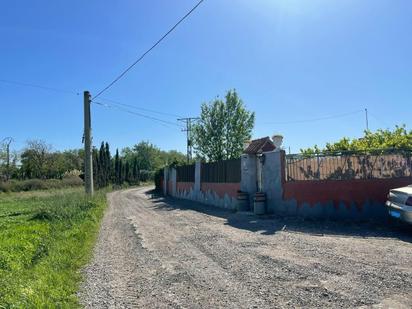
column 109, row 169
column 35, row 159
column 117, row 167
column 223, row 128
column 399, row 138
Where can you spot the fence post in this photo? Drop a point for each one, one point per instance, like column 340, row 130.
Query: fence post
column 197, row 187
column 173, row 179
column 248, row 178
column 165, row 180
column 274, row 178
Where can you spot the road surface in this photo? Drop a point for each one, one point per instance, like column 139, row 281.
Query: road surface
column 156, row 253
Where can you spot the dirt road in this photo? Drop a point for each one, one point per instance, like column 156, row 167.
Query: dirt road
column 155, row 253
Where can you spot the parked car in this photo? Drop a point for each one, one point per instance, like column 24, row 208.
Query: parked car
column 399, row 203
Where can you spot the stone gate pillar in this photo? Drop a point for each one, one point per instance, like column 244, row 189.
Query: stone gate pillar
column 273, row 178
column 248, row 181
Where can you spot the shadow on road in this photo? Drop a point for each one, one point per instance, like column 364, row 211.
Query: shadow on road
column 271, row 224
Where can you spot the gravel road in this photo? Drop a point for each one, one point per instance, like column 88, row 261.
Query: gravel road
column 157, row 253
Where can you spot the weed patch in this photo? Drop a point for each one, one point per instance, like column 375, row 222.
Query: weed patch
column 45, row 239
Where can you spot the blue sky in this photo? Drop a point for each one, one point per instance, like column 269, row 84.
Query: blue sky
column 289, row 60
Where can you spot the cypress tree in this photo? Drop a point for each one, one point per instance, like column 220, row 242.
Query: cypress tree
column 95, row 156
column 135, row 171
column 116, row 167
column 108, row 158
column 127, row 172
column 120, row 176
column 102, row 166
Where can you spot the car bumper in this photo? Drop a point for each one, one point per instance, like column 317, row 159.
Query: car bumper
column 399, row 211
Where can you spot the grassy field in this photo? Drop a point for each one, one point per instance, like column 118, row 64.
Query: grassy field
column 45, row 239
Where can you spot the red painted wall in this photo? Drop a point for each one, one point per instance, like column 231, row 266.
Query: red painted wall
column 184, row 186
column 347, row 191
column 221, row 189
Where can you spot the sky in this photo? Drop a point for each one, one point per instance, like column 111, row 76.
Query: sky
column 308, row 69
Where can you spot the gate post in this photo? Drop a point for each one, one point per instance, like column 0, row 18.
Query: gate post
column 198, row 178
column 248, row 180
column 165, row 180
column 273, row 178
column 173, row 178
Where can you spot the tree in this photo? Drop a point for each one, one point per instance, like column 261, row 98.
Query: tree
column 223, row 128
column 109, row 169
column 35, row 159
column 149, row 157
column 117, row 167
column 399, row 138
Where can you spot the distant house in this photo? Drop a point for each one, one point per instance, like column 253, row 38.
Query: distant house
column 257, row 146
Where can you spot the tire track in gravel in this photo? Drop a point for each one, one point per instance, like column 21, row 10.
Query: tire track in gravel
column 179, row 254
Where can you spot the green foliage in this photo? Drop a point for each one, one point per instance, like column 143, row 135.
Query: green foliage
column 103, row 166
column 147, row 158
column 46, row 238
column 399, row 138
column 38, row 161
column 223, row 128
column 40, row 184
column 40, row 166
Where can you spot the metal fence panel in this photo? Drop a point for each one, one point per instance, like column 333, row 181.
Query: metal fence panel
column 221, row 171
column 185, row 173
column 345, row 166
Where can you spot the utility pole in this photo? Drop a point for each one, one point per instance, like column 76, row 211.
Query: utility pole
column 188, row 131
column 8, row 141
column 367, row 121
column 88, row 164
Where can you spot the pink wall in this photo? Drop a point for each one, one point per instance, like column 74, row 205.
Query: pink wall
column 357, row 191
column 221, row 188
column 184, row 186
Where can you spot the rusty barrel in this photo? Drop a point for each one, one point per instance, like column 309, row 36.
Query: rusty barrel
column 259, row 203
column 242, row 201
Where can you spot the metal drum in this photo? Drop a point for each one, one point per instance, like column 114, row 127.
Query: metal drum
column 242, row 201
column 260, row 203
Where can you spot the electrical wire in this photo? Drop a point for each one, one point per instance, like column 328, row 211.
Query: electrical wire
column 147, row 51
column 140, row 108
column 318, row 119
column 38, row 86
column 161, row 121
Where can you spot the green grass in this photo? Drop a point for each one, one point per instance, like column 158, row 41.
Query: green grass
column 45, row 239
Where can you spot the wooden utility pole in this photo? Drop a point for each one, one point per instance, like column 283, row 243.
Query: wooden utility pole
column 88, row 163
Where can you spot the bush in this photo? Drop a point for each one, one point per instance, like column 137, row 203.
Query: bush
column 146, row 175
column 29, row 185
column 72, row 181
column 40, row 184
column 5, row 187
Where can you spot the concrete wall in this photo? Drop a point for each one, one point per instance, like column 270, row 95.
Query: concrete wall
column 356, row 199
column 248, row 181
column 340, row 199
column 273, row 171
column 184, row 186
column 329, row 199
column 218, row 194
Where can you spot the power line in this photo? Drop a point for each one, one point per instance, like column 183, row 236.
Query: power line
column 38, row 86
column 320, row 118
column 139, row 108
column 148, row 51
column 379, row 120
column 188, row 130
column 161, row 121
